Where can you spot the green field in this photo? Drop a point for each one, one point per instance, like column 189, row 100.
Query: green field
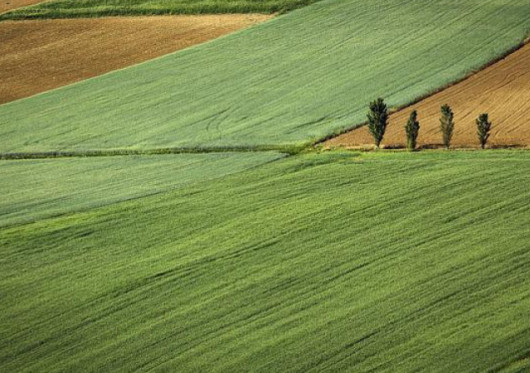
column 98, row 8
column 320, row 262
column 58, row 186
column 292, row 80
column 118, row 256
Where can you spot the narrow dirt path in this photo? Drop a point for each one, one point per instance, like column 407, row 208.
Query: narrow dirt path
column 37, row 56
column 502, row 90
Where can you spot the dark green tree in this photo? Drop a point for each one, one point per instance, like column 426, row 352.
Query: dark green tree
column 378, row 120
column 483, row 129
column 447, row 125
column 412, row 128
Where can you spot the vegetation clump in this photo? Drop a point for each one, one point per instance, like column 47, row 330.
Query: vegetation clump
column 483, row 129
column 412, row 129
column 447, row 125
column 378, row 120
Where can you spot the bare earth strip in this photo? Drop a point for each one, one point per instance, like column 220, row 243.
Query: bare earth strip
column 502, row 90
column 37, row 56
column 6, row 5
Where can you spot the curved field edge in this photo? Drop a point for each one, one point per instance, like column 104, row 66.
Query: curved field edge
column 292, row 80
column 305, row 264
column 39, row 189
column 502, row 89
column 78, row 49
column 102, row 8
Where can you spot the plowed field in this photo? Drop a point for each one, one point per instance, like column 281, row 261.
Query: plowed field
column 36, row 56
column 6, row 5
column 502, row 90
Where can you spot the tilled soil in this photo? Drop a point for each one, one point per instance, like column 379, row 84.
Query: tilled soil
column 6, row 5
column 37, row 56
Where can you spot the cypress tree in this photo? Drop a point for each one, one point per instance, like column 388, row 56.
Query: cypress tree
column 412, row 128
column 447, row 125
column 483, row 129
column 377, row 120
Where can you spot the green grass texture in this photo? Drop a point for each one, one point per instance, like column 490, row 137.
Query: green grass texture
column 35, row 189
column 389, row 262
column 292, row 80
column 98, row 8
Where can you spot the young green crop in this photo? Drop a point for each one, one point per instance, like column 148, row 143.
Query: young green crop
column 322, row 262
column 36, row 189
column 295, row 79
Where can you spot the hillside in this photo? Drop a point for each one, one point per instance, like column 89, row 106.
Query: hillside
column 502, row 90
column 297, row 78
column 331, row 262
column 175, row 215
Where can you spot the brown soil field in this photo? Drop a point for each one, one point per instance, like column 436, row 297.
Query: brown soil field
column 37, row 56
column 6, row 5
column 502, row 90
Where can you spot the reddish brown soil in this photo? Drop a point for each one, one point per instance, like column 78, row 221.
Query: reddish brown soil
column 6, row 5
column 502, row 90
column 36, row 56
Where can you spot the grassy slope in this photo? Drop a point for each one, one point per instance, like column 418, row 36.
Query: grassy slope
column 97, row 8
column 305, row 264
column 58, row 186
column 296, row 78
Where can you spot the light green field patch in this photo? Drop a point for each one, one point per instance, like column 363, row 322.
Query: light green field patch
column 332, row 262
column 294, row 79
column 33, row 189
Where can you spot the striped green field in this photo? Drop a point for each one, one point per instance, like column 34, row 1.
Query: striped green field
column 292, row 80
column 35, row 189
column 389, row 262
column 98, row 8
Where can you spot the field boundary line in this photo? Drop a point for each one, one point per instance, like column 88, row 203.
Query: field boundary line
column 285, row 149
